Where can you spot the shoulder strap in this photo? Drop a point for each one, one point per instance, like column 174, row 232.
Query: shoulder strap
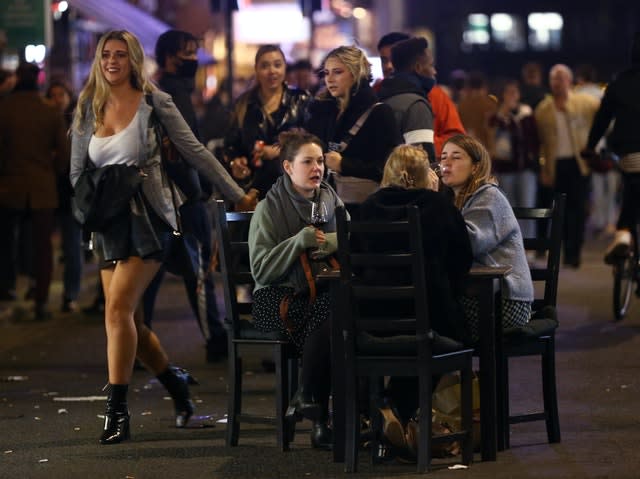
column 360, row 121
column 353, row 131
column 167, row 153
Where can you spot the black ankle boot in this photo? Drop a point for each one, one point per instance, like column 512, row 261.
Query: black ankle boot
column 116, row 428
column 302, row 405
column 177, row 381
column 321, row 436
column 116, row 416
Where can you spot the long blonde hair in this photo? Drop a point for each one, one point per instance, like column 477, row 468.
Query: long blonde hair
column 407, row 167
column 96, row 90
column 481, row 159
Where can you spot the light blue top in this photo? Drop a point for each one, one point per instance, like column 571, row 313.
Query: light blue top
column 496, row 240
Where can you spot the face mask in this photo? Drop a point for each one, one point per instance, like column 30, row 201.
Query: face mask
column 187, row 68
column 426, row 83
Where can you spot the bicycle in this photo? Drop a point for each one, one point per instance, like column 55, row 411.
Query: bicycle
column 626, row 272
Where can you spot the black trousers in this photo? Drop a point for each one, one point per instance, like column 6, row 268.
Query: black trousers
column 40, row 249
column 630, row 206
column 569, row 180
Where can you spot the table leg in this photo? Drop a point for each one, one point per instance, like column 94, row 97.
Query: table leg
column 487, row 353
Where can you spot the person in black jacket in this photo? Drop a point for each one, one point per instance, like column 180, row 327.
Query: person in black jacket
column 409, row 181
column 177, row 60
column 259, row 116
column 406, row 92
column 621, row 101
column 358, row 158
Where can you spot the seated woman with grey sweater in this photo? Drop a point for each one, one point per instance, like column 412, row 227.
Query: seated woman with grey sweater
column 283, row 247
column 493, row 229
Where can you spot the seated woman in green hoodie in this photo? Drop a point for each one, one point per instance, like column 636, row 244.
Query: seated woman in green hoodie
column 287, row 234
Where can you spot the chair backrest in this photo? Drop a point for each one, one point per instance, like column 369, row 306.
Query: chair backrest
column 232, row 230
column 548, row 239
column 382, row 263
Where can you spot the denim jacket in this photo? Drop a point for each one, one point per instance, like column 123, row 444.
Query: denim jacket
column 156, row 187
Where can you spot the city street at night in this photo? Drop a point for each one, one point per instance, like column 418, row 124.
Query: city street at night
column 51, row 370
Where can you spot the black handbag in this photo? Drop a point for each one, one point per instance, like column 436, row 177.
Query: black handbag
column 182, row 251
column 182, row 256
column 102, row 194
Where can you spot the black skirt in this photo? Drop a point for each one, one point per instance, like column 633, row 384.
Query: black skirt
column 138, row 231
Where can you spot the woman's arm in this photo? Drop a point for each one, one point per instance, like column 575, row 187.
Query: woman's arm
column 489, row 219
column 192, row 151
column 272, row 259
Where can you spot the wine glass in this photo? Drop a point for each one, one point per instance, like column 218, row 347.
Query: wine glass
column 318, row 218
column 318, row 213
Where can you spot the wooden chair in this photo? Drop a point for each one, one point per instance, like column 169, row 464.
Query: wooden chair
column 380, row 343
column 232, row 229
column 538, row 337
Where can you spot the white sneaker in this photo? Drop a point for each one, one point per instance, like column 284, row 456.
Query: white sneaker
column 619, row 247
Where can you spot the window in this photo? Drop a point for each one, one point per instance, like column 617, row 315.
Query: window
column 545, row 31
column 507, row 32
column 476, row 32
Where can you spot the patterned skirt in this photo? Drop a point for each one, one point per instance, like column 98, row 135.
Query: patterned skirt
column 513, row 314
column 302, row 318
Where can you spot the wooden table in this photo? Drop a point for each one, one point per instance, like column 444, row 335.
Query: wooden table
column 484, row 282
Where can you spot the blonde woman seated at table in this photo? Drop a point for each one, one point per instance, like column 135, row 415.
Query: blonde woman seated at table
column 280, row 234
column 494, row 232
column 409, row 181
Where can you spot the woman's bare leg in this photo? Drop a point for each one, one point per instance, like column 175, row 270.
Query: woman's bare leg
column 123, row 288
column 150, row 351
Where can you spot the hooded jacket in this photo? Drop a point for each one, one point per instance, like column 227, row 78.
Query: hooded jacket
column 447, row 249
column 279, row 232
column 414, row 116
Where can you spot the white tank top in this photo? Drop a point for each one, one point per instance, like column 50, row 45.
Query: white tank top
column 118, row 149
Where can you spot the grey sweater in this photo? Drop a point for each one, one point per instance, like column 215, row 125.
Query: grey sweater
column 496, row 240
column 155, row 187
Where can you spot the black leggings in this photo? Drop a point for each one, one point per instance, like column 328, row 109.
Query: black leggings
column 316, row 364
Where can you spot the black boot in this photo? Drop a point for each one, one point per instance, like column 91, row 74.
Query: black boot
column 177, row 381
column 321, row 435
column 302, row 405
column 116, row 417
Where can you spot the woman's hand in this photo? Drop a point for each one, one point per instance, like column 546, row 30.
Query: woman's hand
column 248, row 201
column 320, row 237
column 433, row 182
column 271, row 152
column 239, row 168
column 333, row 160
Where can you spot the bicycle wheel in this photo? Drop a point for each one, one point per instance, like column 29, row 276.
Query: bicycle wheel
column 623, row 276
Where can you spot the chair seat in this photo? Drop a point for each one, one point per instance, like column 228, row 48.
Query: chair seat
column 403, row 344
column 247, row 330
column 543, row 323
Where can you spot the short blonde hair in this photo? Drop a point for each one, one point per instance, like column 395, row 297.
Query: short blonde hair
column 407, row 167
